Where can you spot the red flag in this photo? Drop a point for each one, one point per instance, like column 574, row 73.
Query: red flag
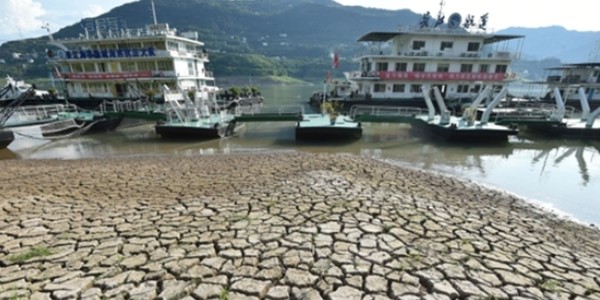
column 336, row 60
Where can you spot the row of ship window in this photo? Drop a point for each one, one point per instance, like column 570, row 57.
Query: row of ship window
column 416, row 88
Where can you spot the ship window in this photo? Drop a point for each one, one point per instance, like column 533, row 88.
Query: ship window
column 462, row 88
column 415, row 88
column 443, row 67
column 596, row 73
column 483, row 68
column 102, row 67
column 190, row 68
column 382, row 66
column 173, row 46
column 135, row 46
column 398, row 88
column 446, row 45
column 89, row 67
column 165, row 65
column 127, row 66
column 501, row 68
column 419, row 67
column 401, row 67
column 378, row 88
column 476, row 89
column 473, row 47
column 466, row 68
column 146, row 66
column 77, row 68
column 418, row 45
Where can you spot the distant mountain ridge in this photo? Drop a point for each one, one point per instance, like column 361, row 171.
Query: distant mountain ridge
column 557, row 42
column 283, row 37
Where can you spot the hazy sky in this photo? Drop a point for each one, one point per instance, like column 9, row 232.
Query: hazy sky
column 24, row 18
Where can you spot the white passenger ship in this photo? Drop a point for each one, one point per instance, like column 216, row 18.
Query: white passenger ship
column 110, row 62
column 459, row 59
column 574, row 81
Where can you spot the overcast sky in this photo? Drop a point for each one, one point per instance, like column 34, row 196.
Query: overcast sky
column 24, row 18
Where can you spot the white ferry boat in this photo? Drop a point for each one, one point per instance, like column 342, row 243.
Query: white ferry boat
column 459, row 59
column 13, row 89
column 110, row 62
column 573, row 82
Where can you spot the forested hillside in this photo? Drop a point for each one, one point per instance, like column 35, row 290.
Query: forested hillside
column 293, row 38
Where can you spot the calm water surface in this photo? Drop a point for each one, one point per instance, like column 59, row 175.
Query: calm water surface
column 557, row 174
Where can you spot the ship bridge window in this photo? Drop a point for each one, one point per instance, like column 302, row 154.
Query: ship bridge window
column 446, row 45
column 419, row 67
column 173, row 46
column 418, row 45
column 484, row 68
column 382, row 66
column 443, row 68
column 501, row 68
column 378, row 88
column 473, row 47
column 401, row 67
column 462, row 88
column 466, row 68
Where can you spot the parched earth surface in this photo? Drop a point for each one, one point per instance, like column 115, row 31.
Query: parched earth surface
column 277, row 226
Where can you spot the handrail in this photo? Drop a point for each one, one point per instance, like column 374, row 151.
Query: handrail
column 387, row 111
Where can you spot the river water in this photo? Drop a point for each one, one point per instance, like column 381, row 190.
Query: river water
column 559, row 175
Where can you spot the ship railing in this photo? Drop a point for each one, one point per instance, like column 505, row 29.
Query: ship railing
column 532, row 111
column 126, row 105
column 249, row 109
column 41, row 112
column 445, row 53
column 280, row 110
column 385, row 111
column 364, row 74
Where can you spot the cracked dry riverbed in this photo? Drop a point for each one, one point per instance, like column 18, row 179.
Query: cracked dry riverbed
column 277, row 226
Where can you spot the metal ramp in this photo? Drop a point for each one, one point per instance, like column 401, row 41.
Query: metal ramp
column 384, row 114
column 283, row 113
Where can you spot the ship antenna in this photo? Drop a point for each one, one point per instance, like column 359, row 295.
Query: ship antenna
column 154, row 12
column 441, row 7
